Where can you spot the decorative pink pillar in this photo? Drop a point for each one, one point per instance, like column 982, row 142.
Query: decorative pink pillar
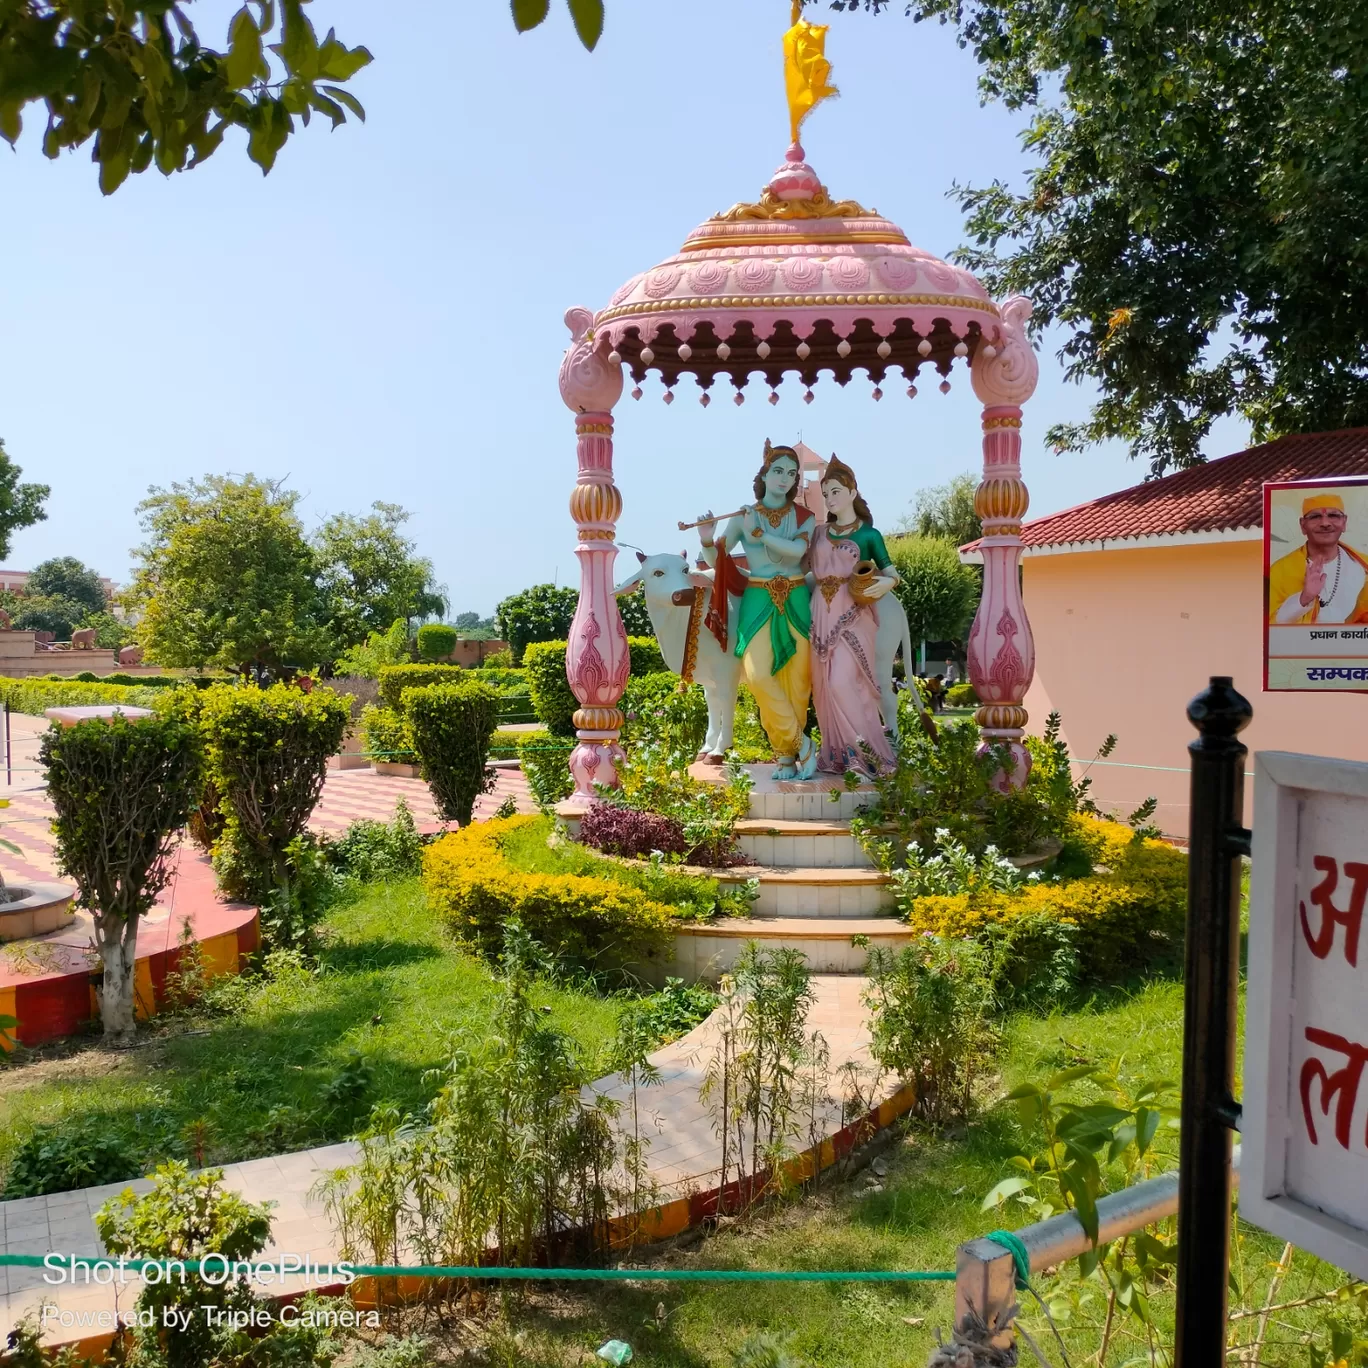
column 1001, row 652
column 596, row 658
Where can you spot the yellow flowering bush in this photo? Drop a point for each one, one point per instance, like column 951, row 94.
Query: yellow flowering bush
column 1129, row 910
column 591, row 920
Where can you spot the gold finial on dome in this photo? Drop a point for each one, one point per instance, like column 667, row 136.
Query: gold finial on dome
column 794, row 192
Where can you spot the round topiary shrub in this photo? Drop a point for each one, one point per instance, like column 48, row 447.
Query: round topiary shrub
column 121, row 790
column 436, row 641
column 268, row 756
column 451, row 725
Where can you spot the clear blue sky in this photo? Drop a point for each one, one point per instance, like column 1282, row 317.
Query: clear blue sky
column 381, row 317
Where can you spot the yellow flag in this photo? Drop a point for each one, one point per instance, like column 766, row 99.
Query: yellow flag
column 806, row 70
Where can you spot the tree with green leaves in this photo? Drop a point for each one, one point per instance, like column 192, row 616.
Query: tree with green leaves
column 945, row 511
column 544, row 613
column 226, row 578
column 1195, row 216
column 68, row 578
column 470, row 626
column 369, row 574
column 121, row 790
column 21, row 505
column 46, row 613
column 938, row 591
column 134, row 76
column 541, row 613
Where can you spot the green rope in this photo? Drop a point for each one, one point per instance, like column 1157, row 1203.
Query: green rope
column 507, row 1274
column 1021, row 1257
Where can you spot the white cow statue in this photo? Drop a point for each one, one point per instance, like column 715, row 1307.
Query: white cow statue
column 669, row 587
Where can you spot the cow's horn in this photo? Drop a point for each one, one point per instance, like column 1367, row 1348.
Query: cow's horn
column 641, row 556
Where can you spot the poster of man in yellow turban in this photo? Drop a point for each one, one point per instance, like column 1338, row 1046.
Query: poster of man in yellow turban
column 1316, row 594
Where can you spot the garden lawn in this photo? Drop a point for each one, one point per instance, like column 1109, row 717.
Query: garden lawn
column 302, row 1057
column 929, row 1203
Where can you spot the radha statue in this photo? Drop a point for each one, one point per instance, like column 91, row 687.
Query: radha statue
column 775, row 613
column 851, row 571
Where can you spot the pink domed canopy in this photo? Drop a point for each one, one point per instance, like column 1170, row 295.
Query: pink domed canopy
column 798, row 282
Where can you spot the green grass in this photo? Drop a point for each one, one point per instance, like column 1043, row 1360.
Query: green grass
column 258, row 1077
column 929, row 1203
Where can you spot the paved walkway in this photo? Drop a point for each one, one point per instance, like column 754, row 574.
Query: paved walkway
column 683, row 1159
column 347, row 796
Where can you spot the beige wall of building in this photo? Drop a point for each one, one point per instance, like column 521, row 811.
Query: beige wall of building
column 1125, row 638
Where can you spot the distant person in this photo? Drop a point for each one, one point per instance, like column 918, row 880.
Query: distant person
column 937, row 686
column 951, row 675
column 1323, row 580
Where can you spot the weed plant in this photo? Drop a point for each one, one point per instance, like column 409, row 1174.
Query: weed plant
column 753, row 1083
column 931, row 1020
column 508, row 1152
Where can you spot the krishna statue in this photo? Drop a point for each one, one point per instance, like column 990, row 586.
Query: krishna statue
column 774, row 616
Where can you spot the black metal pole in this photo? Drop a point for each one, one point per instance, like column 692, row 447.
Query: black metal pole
column 1216, row 840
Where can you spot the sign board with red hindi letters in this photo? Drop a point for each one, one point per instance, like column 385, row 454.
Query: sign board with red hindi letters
column 1304, row 1168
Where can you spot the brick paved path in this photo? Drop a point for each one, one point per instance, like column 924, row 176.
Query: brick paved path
column 347, row 795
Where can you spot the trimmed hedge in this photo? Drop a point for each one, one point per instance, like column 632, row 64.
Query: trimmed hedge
column 268, row 752
column 35, row 696
column 1131, row 910
column 552, row 698
column 394, row 680
column 120, row 791
column 961, row 696
column 501, row 677
column 515, row 702
column 451, row 725
column 474, row 887
column 545, row 761
column 386, row 736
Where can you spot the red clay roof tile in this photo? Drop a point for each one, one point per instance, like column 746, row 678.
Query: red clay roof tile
column 1220, row 495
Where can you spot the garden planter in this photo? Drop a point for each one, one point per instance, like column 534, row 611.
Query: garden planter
column 351, row 755
column 399, row 771
column 34, row 909
column 1039, row 857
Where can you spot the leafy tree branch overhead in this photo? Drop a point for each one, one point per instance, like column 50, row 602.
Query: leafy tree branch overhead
column 134, row 76
column 1195, row 215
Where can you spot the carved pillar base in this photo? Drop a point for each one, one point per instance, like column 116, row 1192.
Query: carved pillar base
column 1001, row 652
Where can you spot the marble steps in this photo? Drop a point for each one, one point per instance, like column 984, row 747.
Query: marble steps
column 706, row 952
column 817, row 891
column 815, row 844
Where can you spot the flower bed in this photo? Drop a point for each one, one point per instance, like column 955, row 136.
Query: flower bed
column 478, row 878
column 1128, row 912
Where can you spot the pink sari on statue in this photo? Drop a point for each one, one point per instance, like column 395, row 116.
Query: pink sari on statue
column 845, row 691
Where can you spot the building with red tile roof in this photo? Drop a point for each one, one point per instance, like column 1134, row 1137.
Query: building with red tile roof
column 1136, row 598
column 1219, row 501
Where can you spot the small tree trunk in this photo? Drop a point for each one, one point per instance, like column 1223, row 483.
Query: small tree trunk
column 117, row 942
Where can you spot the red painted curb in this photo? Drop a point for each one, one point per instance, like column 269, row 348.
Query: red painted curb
column 57, row 1002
